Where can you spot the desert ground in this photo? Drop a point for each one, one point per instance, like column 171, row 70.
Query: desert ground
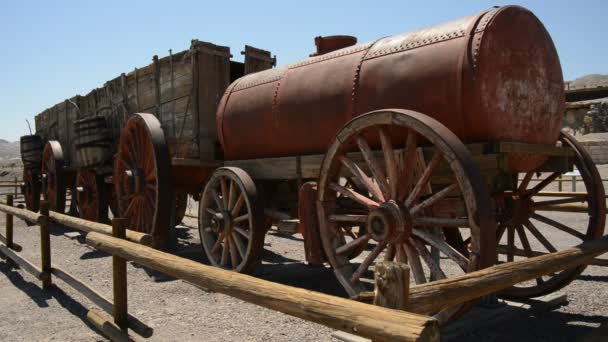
column 179, row 311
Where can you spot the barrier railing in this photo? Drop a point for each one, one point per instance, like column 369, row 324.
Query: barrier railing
column 377, row 322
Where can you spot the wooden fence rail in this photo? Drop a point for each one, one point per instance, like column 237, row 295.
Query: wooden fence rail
column 371, row 321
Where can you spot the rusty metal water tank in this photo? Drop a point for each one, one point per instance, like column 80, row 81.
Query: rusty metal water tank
column 494, row 76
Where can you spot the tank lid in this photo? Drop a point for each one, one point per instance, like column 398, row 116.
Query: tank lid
column 332, row 43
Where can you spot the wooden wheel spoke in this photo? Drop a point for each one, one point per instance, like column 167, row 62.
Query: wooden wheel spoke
column 527, row 249
column 346, row 248
column 540, row 237
column 510, row 243
column 218, row 243
column 443, row 246
column 433, row 199
column 424, row 179
column 428, row 260
column 367, row 262
column 239, row 245
column 409, row 157
column 559, row 226
column 224, row 189
column 541, row 204
column 415, row 264
column 214, row 214
column 234, row 257
column 400, row 255
column 238, row 205
column 524, row 183
column 242, row 231
column 389, row 159
column 440, row 222
column 241, row 218
column 348, row 218
column 363, row 179
column 391, row 250
column 225, row 253
column 366, row 202
column 231, row 195
column 216, row 198
column 372, row 163
column 544, row 183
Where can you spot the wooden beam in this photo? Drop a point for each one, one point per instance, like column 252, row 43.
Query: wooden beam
column 432, row 297
column 45, row 245
column 343, row 314
column 104, row 323
column 119, row 277
column 23, row 263
column 522, row 253
column 15, row 247
column 392, row 285
column 23, row 214
column 90, row 226
column 98, row 299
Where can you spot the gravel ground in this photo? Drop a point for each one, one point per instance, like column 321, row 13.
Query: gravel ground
column 179, row 311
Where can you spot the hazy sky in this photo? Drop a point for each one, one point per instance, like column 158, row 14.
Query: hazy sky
column 52, row 50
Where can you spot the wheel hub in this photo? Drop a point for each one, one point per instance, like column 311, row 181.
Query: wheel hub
column 522, row 210
column 389, row 223
column 135, row 180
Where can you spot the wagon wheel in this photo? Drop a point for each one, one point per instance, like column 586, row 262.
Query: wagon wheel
column 397, row 208
column 142, row 177
column 91, row 196
column 181, row 204
column 231, row 221
column 535, row 225
column 31, row 189
column 54, row 187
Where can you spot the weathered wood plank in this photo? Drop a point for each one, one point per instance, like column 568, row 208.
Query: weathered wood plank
column 338, row 313
column 435, row 296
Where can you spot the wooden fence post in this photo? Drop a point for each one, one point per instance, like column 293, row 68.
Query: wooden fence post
column 9, row 223
column 392, row 285
column 16, row 188
column 45, row 245
column 119, row 267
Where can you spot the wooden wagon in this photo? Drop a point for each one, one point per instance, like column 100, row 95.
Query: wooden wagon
column 424, row 148
column 76, row 140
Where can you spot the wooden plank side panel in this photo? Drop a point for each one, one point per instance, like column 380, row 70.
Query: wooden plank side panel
column 213, row 73
column 257, row 59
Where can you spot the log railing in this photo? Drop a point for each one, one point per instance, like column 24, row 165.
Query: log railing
column 375, row 322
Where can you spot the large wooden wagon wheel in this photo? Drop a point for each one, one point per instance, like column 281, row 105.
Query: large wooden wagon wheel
column 399, row 208
column 31, row 189
column 54, row 187
column 91, row 196
column 231, row 221
column 534, row 223
column 142, row 178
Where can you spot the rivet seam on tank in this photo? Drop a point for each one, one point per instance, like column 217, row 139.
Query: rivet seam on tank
column 269, row 76
column 416, row 44
column 331, row 55
column 358, row 76
column 479, row 33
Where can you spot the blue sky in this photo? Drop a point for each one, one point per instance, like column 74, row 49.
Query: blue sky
column 52, row 50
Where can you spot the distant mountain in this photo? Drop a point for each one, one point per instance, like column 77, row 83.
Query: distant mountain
column 9, row 150
column 589, row 81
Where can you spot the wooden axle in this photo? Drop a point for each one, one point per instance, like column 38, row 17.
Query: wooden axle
column 431, row 297
column 366, row 320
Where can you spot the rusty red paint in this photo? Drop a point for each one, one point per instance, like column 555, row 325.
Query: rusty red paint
column 332, row 43
column 494, row 76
